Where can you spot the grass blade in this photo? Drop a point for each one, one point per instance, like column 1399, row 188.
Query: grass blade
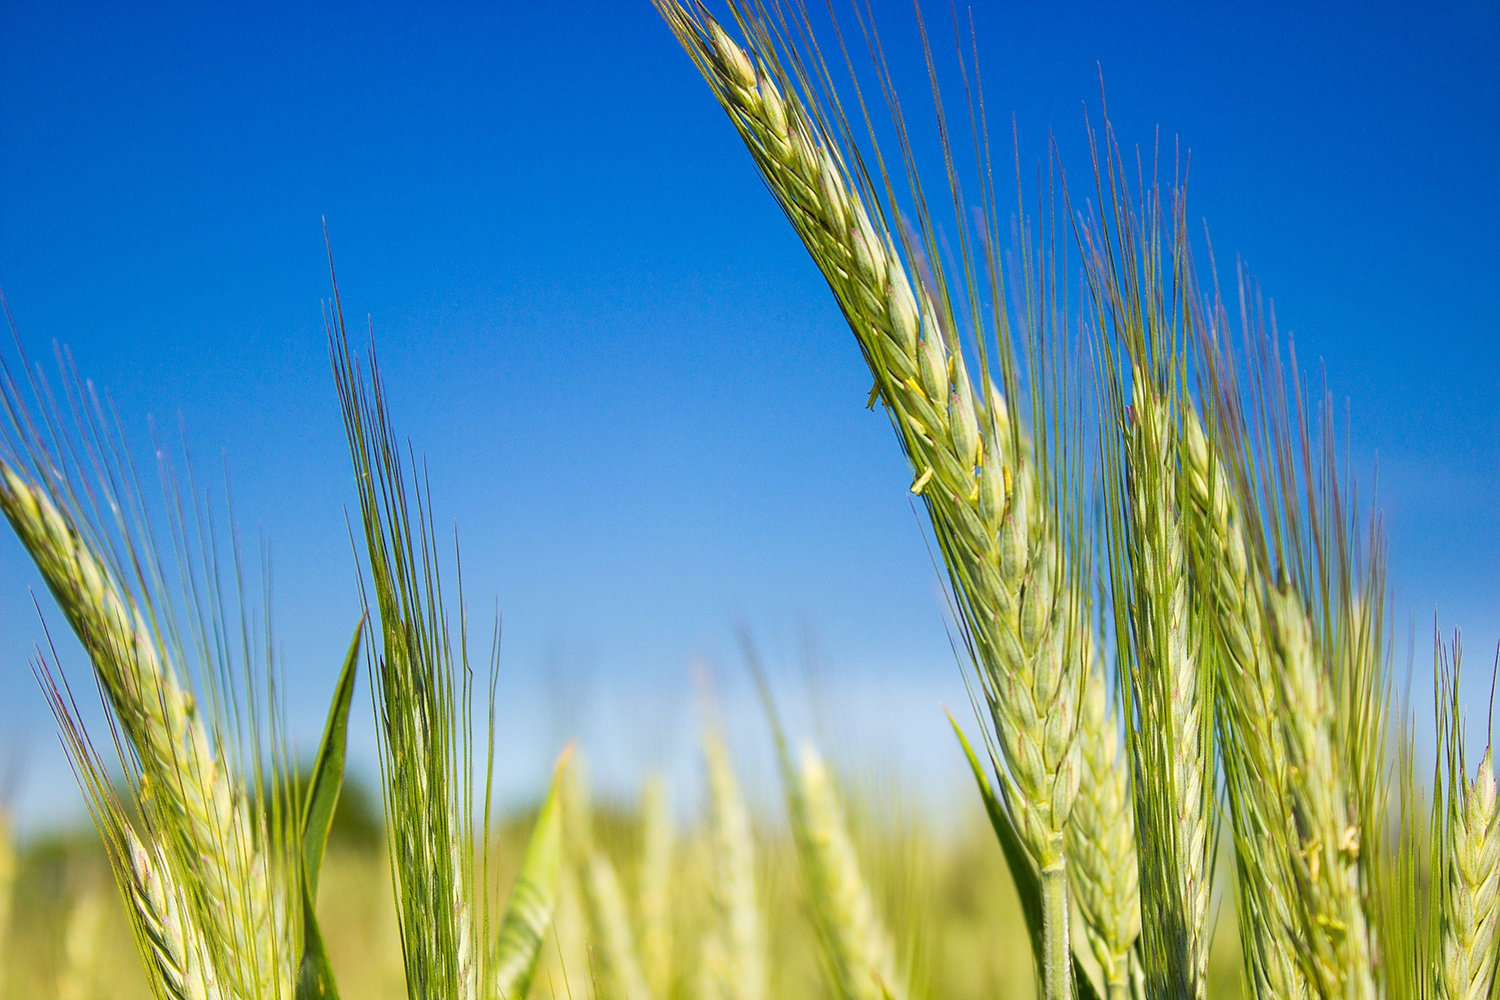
column 533, row 897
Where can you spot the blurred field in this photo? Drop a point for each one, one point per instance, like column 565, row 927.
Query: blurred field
column 947, row 898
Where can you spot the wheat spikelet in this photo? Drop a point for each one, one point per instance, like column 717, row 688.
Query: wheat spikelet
column 199, row 808
column 655, row 895
column 1102, row 862
column 1329, row 899
column 165, row 917
column 858, row 946
column 734, row 949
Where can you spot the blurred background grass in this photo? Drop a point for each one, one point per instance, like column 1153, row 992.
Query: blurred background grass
column 942, row 885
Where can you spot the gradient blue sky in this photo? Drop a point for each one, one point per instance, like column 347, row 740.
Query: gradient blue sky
column 636, row 398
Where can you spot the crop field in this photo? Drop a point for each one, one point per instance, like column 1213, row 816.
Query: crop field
column 1193, row 764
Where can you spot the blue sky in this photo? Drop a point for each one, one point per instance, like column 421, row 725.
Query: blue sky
column 636, row 398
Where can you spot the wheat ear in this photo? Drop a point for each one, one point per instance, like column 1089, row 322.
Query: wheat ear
column 1329, row 901
column 616, row 967
column 1169, row 698
column 1471, row 911
column 989, row 498
column 1467, row 838
column 735, row 948
column 1253, row 751
column 857, row 944
column 1102, row 862
column 7, row 889
column 199, row 805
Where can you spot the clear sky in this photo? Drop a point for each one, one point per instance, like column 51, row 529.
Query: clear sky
column 637, row 400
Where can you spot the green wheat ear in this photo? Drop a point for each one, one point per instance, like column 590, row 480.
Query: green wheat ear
column 995, row 474
column 210, row 872
column 422, row 679
column 1467, row 828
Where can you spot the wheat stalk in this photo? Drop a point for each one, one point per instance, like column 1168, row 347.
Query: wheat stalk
column 198, row 805
column 1102, row 862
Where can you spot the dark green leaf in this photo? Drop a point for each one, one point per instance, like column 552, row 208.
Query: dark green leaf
column 1022, row 871
column 314, row 974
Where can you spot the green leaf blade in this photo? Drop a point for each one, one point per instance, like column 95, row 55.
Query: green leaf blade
column 533, row 898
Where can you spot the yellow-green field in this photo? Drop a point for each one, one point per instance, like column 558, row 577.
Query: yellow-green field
column 948, row 898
